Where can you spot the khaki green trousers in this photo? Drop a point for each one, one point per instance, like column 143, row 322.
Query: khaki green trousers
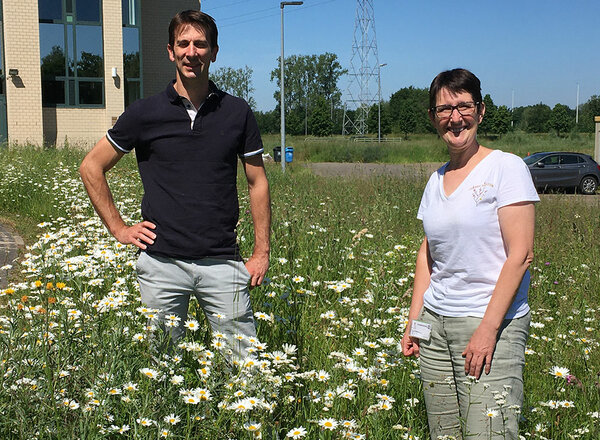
column 461, row 407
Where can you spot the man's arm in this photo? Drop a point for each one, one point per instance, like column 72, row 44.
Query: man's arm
column 93, row 173
column 260, row 205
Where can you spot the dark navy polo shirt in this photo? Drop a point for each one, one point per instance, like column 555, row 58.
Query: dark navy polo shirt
column 189, row 173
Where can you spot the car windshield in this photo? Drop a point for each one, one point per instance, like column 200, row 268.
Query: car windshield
column 534, row 158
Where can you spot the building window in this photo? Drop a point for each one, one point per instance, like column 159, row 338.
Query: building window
column 71, row 49
column 131, row 50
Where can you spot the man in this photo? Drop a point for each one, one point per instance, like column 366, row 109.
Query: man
column 187, row 141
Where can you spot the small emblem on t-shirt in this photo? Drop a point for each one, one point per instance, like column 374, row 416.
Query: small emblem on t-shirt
column 479, row 191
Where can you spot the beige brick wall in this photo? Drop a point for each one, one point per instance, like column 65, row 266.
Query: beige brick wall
column 85, row 126
column 82, row 127
column 113, row 57
column 22, row 51
column 157, row 69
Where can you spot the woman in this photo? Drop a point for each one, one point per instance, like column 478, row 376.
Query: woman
column 469, row 313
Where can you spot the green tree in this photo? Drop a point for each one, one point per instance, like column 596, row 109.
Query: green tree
column 308, row 78
column 131, row 65
column 237, row 82
column 561, row 119
column 587, row 112
column 517, row 116
column 268, row 122
column 501, row 120
column 536, row 118
column 53, row 64
column 408, row 111
column 320, row 118
column 373, row 119
column 90, row 65
column 487, row 124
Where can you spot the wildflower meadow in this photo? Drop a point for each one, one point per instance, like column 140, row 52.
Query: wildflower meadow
column 78, row 356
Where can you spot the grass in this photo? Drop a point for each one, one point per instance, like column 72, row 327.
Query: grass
column 75, row 352
column 422, row 148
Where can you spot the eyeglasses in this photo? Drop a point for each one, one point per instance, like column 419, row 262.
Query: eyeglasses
column 464, row 109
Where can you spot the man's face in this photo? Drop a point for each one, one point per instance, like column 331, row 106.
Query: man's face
column 192, row 53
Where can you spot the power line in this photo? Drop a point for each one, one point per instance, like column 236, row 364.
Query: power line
column 248, row 13
column 267, row 15
column 221, row 6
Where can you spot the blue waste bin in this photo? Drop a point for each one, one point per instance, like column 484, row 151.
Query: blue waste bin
column 289, row 154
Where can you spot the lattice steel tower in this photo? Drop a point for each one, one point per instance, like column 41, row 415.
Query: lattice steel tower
column 363, row 89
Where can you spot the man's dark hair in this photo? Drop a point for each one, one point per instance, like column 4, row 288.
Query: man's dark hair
column 456, row 81
column 196, row 19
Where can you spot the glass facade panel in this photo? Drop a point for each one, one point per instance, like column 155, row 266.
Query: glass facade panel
column 131, row 51
column 71, row 52
column 129, row 9
column 52, row 42
column 88, row 10
column 72, row 92
column 50, row 10
column 53, row 92
column 89, row 51
column 133, row 91
column 90, row 92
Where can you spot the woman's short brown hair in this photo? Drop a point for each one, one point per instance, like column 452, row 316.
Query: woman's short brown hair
column 456, row 81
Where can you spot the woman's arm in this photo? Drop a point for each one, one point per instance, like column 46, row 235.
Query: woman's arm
column 517, row 224
column 410, row 345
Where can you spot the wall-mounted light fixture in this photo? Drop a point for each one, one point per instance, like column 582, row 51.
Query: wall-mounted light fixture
column 114, row 72
column 13, row 72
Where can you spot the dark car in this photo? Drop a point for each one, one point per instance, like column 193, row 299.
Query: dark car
column 564, row 170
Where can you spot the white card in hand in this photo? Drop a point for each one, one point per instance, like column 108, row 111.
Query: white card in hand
column 421, row 330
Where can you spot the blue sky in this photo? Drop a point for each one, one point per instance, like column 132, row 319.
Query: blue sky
column 539, row 49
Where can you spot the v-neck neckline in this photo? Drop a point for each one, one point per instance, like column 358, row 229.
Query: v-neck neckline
column 443, row 191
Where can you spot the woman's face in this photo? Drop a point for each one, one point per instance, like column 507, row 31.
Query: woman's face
column 458, row 131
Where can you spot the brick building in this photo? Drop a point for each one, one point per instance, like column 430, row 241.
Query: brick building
column 70, row 67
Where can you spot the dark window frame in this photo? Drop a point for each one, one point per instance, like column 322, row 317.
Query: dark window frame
column 71, row 80
column 136, row 25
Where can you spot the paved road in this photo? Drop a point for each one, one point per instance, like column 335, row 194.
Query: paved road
column 9, row 250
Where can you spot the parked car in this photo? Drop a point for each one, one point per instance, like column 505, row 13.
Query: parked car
column 564, row 170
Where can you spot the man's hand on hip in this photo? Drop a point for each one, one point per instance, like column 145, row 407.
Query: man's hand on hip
column 257, row 265
column 139, row 234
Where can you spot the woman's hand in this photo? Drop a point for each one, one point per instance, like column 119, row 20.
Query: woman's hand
column 410, row 345
column 480, row 351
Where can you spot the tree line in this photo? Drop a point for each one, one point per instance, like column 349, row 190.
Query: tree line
column 314, row 106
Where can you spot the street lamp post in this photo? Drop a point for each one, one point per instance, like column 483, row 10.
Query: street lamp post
column 282, row 97
column 379, row 101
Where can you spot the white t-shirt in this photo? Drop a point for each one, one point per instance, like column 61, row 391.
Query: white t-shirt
column 464, row 235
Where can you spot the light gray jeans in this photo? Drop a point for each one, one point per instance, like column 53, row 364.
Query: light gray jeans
column 220, row 286
column 464, row 408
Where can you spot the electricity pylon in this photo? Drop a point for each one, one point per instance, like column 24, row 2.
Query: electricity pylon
column 363, row 88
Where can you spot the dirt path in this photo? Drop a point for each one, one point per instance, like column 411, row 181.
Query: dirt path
column 9, row 250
